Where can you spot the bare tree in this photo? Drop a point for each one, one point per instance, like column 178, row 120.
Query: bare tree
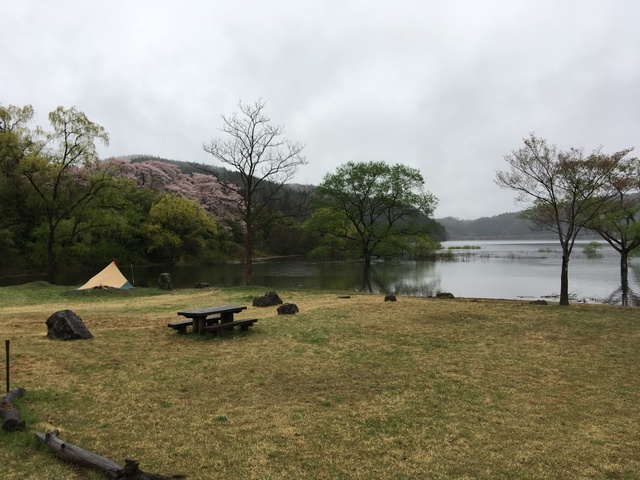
column 568, row 191
column 265, row 161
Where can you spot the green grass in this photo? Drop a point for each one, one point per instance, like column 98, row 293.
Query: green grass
column 356, row 388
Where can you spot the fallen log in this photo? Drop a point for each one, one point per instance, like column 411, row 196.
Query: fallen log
column 79, row 456
column 12, row 421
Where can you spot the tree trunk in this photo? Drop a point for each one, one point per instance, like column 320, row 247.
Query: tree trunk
column 51, row 259
column 79, row 456
column 564, row 280
column 248, row 257
column 624, row 277
column 12, row 421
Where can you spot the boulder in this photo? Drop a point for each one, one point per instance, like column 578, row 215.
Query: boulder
column 66, row 325
column 269, row 299
column 389, row 298
column 288, row 309
column 164, row 282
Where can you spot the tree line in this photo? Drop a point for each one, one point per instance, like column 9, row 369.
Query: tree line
column 61, row 205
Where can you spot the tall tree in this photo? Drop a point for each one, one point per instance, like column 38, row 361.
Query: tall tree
column 371, row 205
column 265, row 160
column 16, row 219
column 568, row 191
column 619, row 222
column 67, row 179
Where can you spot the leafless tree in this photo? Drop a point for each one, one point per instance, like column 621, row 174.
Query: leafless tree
column 265, row 162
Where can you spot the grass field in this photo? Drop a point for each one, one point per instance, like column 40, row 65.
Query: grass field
column 353, row 388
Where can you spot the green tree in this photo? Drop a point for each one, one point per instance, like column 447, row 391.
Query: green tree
column 16, row 219
column 67, row 182
column 568, row 191
column 265, row 161
column 371, row 206
column 177, row 229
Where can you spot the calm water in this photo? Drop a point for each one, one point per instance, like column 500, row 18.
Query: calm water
column 498, row 269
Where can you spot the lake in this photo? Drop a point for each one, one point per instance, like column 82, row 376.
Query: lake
column 495, row 269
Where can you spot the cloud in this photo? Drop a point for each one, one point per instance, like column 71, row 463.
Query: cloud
column 447, row 87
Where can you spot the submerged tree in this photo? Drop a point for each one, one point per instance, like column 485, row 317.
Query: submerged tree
column 568, row 190
column 372, row 207
column 265, row 161
column 619, row 222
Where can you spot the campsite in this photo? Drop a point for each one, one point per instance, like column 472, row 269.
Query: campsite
column 346, row 388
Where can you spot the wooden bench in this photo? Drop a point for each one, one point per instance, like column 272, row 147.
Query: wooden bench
column 244, row 325
column 181, row 327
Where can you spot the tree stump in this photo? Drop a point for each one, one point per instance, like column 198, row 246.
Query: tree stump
column 66, row 325
column 164, row 282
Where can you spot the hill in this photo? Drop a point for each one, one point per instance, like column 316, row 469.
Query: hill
column 505, row 226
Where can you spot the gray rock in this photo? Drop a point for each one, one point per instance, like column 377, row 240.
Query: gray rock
column 444, row 295
column 269, row 299
column 66, row 325
column 288, row 309
column 538, row 302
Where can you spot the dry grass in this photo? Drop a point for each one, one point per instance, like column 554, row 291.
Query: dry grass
column 348, row 388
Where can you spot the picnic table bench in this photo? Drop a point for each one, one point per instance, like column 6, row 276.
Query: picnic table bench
column 244, row 325
column 182, row 325
column 206, row 319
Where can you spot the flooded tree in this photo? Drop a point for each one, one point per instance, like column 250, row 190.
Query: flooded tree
column 566, row 190
column 372, row 207
column 619, row 222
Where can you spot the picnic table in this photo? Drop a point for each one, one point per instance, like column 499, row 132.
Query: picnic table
column 213, row 319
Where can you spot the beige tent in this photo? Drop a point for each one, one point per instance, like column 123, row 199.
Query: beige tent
column 109, row 277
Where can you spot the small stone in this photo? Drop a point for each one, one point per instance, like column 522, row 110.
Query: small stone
column 444, row 295
column 538, row 302
column 288, row 309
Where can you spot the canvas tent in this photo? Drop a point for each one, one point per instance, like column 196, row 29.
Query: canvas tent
column 109, row 277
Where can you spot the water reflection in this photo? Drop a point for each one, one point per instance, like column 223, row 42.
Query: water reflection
column 510, row 270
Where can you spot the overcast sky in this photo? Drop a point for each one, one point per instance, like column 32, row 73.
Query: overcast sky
column 445, row 86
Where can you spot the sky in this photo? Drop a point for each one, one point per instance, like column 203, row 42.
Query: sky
column 445, row 86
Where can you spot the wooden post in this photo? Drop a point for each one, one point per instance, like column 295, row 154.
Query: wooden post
column 7, row 344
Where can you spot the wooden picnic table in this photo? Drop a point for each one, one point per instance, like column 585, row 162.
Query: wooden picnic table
column 199, row 316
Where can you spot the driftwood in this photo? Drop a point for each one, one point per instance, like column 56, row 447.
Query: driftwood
column 79, row 456
column 12, row 421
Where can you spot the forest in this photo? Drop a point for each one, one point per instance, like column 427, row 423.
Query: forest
column 62, row 206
